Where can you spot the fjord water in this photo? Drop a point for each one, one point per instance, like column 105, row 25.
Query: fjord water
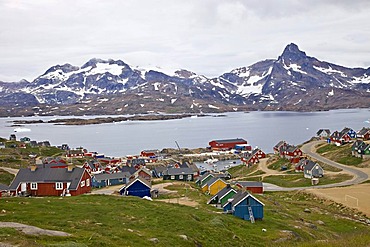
column 262, row 129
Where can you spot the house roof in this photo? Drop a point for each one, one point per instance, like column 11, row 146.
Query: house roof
column 291, row 148
column 43, row 175
column 239, row 197
column 280, row 143
column 136, row 180
column 310, row 165
column 214, row 180
column 323, row 130
column 178, row 171
column 3, row 187
column 249, row 184
column 222, row 193
column 129, row 169
column 363, row 131
column 230, row 140
column 103, row 176
column 204, row 176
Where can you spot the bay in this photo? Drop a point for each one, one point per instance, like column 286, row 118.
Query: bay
column 262, row 128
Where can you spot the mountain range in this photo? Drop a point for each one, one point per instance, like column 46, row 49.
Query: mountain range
column 293, row 81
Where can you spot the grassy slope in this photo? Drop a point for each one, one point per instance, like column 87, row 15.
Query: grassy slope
column 341, row 155
column 117, row 221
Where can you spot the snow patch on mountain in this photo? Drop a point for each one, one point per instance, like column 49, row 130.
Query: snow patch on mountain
column 330, row 71
column 294, row 67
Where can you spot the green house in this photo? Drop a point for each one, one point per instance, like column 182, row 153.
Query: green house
column 222, row 196
column 204, row 179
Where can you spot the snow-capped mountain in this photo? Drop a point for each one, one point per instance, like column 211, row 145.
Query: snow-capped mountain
column 293, row 81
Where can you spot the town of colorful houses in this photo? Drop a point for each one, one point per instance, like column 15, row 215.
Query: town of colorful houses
column 58, row 177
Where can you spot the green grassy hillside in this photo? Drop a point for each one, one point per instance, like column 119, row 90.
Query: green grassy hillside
column 126, row 221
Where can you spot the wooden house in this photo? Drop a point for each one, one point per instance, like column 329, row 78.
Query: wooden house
column 214, row 185
column 292, row 153
column 365, row 151
column 248, row 159
column 339, row 138
column 364, row 134
column 204, row 179
column 153, row 154
column 143, row 173
column 222, row 196
column 104, row 179
column 226, row 144
column 252, row 186
column 93, row 166
column 179, row 174
column 299, row 167
column 158, row 171
column 279, row 147
column 313, row 170
column 245, row 206
column 352, row 134
column 75, row 153
column 356, row 148
column 2, row 145
column 323, row 133
column 259, row 153
column 38, row 181
column 25, row 139
column 138, row 187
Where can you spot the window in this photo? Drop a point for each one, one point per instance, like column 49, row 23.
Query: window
column 88, row 182
column 59, row 186
column 33, row 186
column 189, row 177
column 181, row 177
column 82, row 184
column 172, row 177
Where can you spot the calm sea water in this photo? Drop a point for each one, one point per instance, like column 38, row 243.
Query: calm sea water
column 262, row 129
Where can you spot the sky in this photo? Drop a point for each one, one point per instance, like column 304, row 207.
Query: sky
column 208, row 37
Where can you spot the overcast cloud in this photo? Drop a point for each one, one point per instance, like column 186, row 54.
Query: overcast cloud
column 209, row 37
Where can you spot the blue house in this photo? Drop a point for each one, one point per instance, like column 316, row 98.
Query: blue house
column 244, row 206
column 138, row 187
column 107, row 179
column 350, row 132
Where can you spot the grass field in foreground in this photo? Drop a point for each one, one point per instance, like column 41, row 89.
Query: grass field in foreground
column 95, row 220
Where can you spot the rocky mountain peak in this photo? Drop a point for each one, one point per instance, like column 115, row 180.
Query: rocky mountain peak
column 66, row 68
column 292, row 53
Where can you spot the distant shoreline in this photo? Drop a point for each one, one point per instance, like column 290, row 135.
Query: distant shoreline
column 102, row 120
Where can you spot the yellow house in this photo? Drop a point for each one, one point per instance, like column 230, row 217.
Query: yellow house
column 214, row 185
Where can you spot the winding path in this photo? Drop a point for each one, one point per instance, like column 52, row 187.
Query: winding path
column 310, row 150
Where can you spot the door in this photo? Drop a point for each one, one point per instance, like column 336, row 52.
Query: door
column 23, row 187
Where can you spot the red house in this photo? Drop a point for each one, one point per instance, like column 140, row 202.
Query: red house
column 364, row 133
column 252, row 186
column 226, row 144
column 36, row 181
column 150, row 153
column 250, row 159
column 259, row 153
column 292, row 153
column 340, row 138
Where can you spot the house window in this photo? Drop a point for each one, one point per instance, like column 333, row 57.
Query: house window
column 189, row 177
column 33, row 186
column 172, row 177
column 88, row 182
column 59, row 186
column 82, row 183
column 181, row 177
